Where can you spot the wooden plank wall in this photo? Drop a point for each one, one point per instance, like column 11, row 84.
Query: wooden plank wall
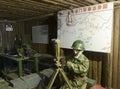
column 7, row 36
column 98, row 67
column 116, row 49
column 27, row 27
column 24, row 29
column 41, row 48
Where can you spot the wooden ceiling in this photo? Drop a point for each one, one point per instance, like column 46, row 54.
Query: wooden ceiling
column 26, row 9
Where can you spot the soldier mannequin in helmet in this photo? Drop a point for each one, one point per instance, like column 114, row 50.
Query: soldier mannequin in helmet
column 78, row 67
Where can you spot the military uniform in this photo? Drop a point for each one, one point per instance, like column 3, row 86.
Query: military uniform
column 78, row 68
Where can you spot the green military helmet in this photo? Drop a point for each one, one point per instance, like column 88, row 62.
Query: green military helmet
column 78, row 45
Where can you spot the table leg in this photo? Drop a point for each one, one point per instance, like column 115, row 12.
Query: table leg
column 36, row 64
column 20, row 67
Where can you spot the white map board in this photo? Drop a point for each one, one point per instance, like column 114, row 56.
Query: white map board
column 40, row 34
column 92, row 24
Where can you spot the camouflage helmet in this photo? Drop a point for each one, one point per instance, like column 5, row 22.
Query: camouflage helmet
column 79, row 45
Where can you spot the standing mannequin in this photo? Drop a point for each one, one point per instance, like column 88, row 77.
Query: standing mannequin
column 78, row 67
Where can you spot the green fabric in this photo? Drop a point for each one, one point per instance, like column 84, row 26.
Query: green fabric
column 78, row 69
column 79, row 66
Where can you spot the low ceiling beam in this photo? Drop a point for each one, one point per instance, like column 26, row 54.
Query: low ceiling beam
column 37, row 17
column 54, row 3
column 92, row 1
column 38, row 4
column 67, row 3
column 73, row 2
column 84, row 2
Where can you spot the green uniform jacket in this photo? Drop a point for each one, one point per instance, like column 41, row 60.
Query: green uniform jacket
column 78, row 70
column 79, row 66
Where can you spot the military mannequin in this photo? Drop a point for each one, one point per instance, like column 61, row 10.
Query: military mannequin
column 26, row 51
column 78, row 67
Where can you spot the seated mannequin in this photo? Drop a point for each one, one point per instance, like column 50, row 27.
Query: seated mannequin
column 78, row 67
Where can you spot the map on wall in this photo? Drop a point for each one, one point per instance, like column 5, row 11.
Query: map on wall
column 92, row 24
column 40, row 34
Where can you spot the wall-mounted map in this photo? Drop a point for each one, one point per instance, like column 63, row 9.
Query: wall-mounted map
column 40, row 34
column 91, row 24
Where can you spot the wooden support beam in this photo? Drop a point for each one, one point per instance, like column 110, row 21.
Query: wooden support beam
column 17, row 12
column 98, row 1
column 68, row 3
column 11, row 14
column 55, row 3
column 111, row 0
column 117, row 3
column 37, row 17
column 22, row 6
column 116, row 45
column 7, row 21
column 92, row 1
column 84, row 2
column 75, row 2
column 61, row 2
column 101, row 1
column 38, row 4
column 12, row 7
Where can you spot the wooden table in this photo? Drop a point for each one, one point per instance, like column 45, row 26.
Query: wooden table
column 14, row 58
column 19, row 60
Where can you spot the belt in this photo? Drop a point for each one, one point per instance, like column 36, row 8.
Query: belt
column 79, row 78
